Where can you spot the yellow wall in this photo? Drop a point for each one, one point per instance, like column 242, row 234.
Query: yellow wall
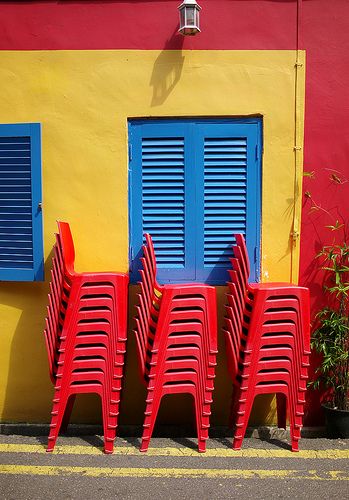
column 83, row 100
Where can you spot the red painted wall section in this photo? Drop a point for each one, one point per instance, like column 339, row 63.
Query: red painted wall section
column 325, row 33
column 235, row 24
column 326, row 39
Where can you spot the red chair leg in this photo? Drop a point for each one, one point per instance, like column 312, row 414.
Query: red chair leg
column 150, row 413
column 244, row 408
column 58, row 410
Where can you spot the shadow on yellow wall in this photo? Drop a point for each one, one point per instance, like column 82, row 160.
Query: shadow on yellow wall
column 24, row 352
column 166, row 73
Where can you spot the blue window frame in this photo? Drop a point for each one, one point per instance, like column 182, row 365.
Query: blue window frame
column 21, row 242
column 192, row 184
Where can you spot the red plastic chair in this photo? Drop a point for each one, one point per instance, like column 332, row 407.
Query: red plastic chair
column 267, row 333
column 85, row 334
column 176, row 336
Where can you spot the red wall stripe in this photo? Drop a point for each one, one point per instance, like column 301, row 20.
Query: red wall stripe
column 235, row 24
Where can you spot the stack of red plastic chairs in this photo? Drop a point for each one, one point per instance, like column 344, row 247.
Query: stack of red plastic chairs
column 85, row 335
column 267, row 333
column 176, row 334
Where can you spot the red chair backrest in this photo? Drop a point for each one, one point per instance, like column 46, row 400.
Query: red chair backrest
column 67, row 246
column 242, row 252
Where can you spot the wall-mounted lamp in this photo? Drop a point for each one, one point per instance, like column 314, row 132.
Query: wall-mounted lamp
column 189, row 17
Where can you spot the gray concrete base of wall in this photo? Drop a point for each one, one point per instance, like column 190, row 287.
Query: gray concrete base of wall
column 262, row 432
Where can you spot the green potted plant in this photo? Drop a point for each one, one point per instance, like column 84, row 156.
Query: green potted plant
column 330, row 337
column 331, row 340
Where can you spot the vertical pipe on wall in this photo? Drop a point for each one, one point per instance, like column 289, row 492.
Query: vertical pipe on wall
column 298, row 146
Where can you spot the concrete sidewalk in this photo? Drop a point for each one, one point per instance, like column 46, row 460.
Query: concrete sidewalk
column 172, row 468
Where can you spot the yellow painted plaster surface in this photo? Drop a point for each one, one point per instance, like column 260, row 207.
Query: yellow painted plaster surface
column 83, row 100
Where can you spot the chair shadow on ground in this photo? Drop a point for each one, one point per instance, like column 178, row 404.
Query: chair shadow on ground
column 134, row 441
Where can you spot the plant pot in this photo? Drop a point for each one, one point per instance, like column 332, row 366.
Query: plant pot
column 337, row 423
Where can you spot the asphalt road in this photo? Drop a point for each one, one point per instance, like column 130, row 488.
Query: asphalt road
column 172, row 469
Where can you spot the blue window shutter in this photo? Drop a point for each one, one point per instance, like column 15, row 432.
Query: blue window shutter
column 21, row 246
column 193, row 222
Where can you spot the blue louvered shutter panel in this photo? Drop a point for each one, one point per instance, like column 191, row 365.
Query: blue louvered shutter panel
column 225, row 197
column 21, row 252
column 163, row 198
column 160, row 197
column 230, row 195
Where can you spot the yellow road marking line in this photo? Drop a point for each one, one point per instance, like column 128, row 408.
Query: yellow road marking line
column 334, row 454
column 45, row 470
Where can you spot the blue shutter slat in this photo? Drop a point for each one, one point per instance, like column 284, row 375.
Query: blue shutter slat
column 233, row 149
column 220, row 176
column 173, row 171
column 225, row 205
column 162, row 142
column 23, row 254
column 14, row 216
column 15, row 241
column 171, row 224
column 168, row 180
column 240, row 184
column 171, row 243
column 13, row 226
column 222, row 200
column 20, row 154
column 19, row 176
column 14, row 193
column 158, row 208
column 14, row 140
column 225, row 158
column 14, row 264
column 15, row 204
column 16, row 201
column 212, row 207
column 171, row 191
column 170, row 200
column 17, row 193
column 216, row 171
column 14, row 163
column 19, row 146
column 20, row 192
column 169, row 255
column 171, row 231
column 211, row 219
column 16, row 254
column 155, row 190
column 159, row 156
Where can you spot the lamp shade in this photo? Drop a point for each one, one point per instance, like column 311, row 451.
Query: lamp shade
column 189, row 17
